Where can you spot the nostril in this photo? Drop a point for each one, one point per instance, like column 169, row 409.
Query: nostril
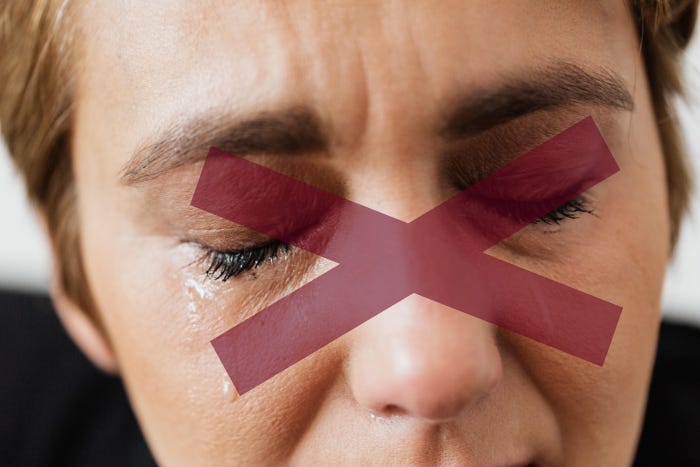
column 392, row 410
column 387, row 412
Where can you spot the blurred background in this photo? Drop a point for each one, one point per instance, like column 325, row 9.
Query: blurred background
column 24, row 256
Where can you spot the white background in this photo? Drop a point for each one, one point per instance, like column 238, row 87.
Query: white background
column 24, row 259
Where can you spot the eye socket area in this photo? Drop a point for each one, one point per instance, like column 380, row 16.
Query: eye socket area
column 223, row 265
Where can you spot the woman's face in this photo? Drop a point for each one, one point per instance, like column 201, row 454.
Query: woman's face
column 420, row 383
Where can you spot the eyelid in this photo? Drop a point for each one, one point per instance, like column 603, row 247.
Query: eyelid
column 532, row 211
column 529, row 188
column 231, row 238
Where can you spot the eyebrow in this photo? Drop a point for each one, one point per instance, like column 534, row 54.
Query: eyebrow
column 563, row 84
column 298, row 129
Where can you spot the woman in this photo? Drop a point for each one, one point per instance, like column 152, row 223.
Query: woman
column 108, row 109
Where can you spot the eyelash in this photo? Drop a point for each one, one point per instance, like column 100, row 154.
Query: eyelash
column 223, row 265
column 569, row 210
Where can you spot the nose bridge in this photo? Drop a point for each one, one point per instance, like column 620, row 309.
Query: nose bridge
column 419, row 358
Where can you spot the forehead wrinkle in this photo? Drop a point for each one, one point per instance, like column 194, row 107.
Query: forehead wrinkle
column 296, row 32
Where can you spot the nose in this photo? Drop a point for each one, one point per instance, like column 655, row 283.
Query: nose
column 423, row 360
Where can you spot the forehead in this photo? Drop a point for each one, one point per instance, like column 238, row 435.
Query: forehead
column 145, row 65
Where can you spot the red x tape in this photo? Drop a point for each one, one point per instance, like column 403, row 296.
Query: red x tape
column 382, row 260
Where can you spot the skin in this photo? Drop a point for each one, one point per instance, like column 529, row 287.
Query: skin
column 392, row 391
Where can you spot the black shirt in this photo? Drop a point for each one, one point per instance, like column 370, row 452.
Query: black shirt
column 57, row 409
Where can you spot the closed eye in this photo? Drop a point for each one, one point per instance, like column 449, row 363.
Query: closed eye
column 224, row 265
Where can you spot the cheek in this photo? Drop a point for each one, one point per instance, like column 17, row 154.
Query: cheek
column 157, row 320
column 618, row 255
column 160, row 314
column 626, row 266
